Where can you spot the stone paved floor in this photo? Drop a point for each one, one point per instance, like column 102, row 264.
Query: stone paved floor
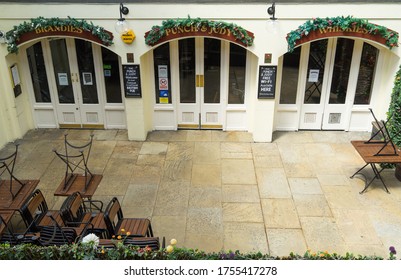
column 216, row 190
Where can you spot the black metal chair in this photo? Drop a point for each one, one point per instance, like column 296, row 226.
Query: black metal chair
column 76, row 158
column 7, row 165
column 115, row 222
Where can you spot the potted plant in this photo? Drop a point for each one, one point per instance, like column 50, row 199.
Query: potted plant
column 394, row 123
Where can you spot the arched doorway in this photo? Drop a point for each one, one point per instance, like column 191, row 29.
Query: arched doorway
column 203, row 81
column 75, row 84
column 324, row 81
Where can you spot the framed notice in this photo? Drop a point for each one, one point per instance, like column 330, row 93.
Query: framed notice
column 87, row 78
column 132, row 80
column 15, row 80
column 267, row 81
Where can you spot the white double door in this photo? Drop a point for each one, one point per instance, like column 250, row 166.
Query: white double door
column 328, row 96
column 76, row 65
column 199, row 68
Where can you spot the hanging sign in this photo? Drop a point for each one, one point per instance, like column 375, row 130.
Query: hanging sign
column 132, row 80
column 267, row 81
column 128, row 37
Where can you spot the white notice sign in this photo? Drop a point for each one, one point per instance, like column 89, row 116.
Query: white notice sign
column 62, row 79
column 163, row 71
column 313, row 75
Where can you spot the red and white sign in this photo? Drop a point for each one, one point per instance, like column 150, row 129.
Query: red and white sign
column 163, row 83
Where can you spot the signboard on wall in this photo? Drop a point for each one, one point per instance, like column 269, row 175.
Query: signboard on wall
column 267, row 81
column 132, row 80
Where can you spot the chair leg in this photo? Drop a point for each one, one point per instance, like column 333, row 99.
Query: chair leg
column 150, row 231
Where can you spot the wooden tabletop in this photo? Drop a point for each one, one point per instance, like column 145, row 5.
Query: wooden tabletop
column 6, row 199
column 368, row 151
column 78, row 185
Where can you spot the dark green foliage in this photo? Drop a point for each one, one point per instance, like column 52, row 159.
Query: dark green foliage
column 158, row 31
column 121, row 252
column 394, row 111
column 343, row 23
column 14, row 34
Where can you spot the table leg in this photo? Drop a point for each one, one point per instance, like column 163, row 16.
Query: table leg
column 377, row 176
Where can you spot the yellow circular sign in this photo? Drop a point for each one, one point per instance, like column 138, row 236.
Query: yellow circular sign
column 128, row 37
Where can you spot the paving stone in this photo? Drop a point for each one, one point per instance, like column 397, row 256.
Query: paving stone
column 205, row 197
column 177, row 170
column 284, row 241
column 240, row 193
column 236, row 150
column 207, row 153
column 242, row 212
column 172, row 198
column 204, row 175
column 170, row 227
column 280, row 213
column 153, row 148
column 205, row 221
column 314, row 205
column 209, row 243
column 140, row 195
column 238, row 171
column 272, row 183
column 245, row 237
column 305, row 186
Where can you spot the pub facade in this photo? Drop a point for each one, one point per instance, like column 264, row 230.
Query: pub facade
column 145, row 66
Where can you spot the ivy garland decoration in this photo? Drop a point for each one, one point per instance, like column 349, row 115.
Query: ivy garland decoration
column 159, row 31
column 344, row 23
column 14, row 34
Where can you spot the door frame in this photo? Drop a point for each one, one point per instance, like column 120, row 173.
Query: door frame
column 200, row 109
column 80, row 110
column 323, row 110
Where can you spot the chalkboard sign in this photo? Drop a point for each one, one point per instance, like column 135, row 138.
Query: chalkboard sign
column 267, row 81
column 132, row 80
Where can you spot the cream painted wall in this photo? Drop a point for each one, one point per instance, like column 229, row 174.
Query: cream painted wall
column 269, row 38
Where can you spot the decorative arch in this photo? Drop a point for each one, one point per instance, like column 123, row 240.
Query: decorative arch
column 319, row 28
column 190, row 27
column 47, row 27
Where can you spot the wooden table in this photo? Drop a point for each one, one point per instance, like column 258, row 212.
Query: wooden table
column 6, row 199
column 78, row 185
column 369, row 153
column 6, row 216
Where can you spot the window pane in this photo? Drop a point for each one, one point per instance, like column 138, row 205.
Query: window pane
column 62, row 71
column 366, row 74
column 111, row 72
column 236, row 87
column 38, row 73
column 289, row 81
column 86, row 72
column 187, row 70
column 342, row 66
column 161, row 57
column 212, row 70
column 316, row 64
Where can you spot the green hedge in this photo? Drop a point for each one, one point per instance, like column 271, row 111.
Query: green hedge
column 122, row 252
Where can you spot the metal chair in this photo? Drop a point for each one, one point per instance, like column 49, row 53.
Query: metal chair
column 7, row 165
column 76, row 158
column 115, row 222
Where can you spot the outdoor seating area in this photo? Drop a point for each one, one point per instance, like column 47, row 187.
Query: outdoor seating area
column 210, row 190
column 26, row 217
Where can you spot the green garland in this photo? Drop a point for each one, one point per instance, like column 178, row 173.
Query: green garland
column 157, row 31
column 13, row 35
column 343, row 23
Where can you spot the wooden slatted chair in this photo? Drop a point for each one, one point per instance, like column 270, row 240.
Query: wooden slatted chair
column 142, row 242
column 34, row 211
column 77, row 212
column 56, row 235
column 115, row 222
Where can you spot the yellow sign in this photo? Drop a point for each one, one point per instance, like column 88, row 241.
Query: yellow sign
column 128, row 37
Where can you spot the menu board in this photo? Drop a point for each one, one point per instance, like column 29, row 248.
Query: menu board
column 267, row 81
column 132, row 80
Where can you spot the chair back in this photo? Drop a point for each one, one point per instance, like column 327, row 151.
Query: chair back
column 56, row 235
column 34, row 209
column 112, row 215
column 142, row 242
column 73, row 209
